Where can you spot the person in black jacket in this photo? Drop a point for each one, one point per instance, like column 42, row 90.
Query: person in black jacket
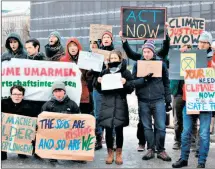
column 60, row 103
column 33, row 49
column 114, row 108
column 16, row 105
column 152, row 94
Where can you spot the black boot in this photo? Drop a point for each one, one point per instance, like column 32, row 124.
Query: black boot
column 201, row 165
column 3, row 156
column 179, row 164
column 98, row 144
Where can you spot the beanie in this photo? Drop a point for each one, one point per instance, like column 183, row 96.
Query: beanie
column 206, row 36
column 150, row 45
column 108, row 33
column 56, row 34
column 58, row 85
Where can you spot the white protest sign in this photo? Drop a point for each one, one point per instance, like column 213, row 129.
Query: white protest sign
column 111, row 81
column 37, row 78
column 90, row 60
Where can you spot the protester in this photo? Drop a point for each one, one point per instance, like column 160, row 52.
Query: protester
column 33, row 49
column 54, row 49
column 107, row 41
column 114, row 108
column 154, row 102
column 14, row 48
column 204, row 43
column 60, row 103
column 17, row 105
column 73, row 47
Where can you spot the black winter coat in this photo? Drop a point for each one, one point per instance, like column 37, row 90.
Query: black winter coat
column 39, row 56
column 66, row 106
column 114, row 108
column 24, row 108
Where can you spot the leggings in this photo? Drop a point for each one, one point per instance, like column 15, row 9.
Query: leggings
column 109, row 137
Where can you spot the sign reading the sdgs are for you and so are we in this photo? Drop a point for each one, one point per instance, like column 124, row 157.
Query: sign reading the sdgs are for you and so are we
column 65, row 136
column 200, row 89
column 37, row 78
column 18, row 132
column 143, row 22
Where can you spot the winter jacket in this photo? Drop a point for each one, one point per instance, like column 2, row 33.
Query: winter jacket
column 137, row 56
column 19, row 54
column 55, row 52
column 157, row 88
column 66, row 106
column 39, row 56
column 176, row 87
column 25, row 108
column 85, row 96
column 114, row 107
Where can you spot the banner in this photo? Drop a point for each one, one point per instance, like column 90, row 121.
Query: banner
column 17, row 133
column 37, row 78
column 200, row 89
column 185, row 30
column 90, row 60
column 179, row 62
column 143, row 22
column 65, row 136
column 144, row 67
column 96, row 31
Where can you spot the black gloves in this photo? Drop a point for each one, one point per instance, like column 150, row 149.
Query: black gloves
column 148, row 77
column 168, row 107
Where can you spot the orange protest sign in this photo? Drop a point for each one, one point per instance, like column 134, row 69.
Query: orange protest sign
column 65, row 136
column 96, row 31
column 145, row 67
column 17, row 133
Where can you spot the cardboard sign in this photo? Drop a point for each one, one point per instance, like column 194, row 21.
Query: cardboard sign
column 200, row 89
column 179, row 62
column 143, row 22
column 90, row 60
column 65, row 136
column 96, row 31
column 37, row 78
column 185, row 30
column 145, row 67
column 105, row 53
column 108, row 79
column 17, row 133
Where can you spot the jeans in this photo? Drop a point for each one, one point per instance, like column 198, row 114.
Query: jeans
column 97, row 107
column 204, row 135
column 158, row 111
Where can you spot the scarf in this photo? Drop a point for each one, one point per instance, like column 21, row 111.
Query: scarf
column 54, row 52
column 114, row 67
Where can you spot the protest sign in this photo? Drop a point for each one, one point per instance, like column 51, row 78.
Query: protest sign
column 200, row 89
column 143, row 22
column 65, row 136
column 90, row 60
column 17, row 133
column 108, row 79
column 145, row 67
column 37, row 78
column 179, row 62
column 96, row 31
column 185, row 30
column 105, row 53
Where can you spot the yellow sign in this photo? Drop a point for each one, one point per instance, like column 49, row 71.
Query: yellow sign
column 188, row 61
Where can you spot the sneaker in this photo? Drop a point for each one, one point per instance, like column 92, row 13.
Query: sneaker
column 22, row 156
column 149, row 155
column 140, row 148
column 176, row 146
column 202, row 165
column 180, row 163
column 164, row 156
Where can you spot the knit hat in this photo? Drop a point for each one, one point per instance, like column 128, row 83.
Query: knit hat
column 206, row 36
column 56, row 34
column 150, row 45
column 58, row 85
column 108, row 33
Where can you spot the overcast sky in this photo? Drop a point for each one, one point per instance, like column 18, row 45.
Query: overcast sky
column 12, row 5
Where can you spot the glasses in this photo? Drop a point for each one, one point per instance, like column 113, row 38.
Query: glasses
column 19, row 95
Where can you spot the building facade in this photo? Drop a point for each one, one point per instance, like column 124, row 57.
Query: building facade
column 73, row 18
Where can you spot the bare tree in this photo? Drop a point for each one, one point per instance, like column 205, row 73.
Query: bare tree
column 11, row 28
column 26, row 31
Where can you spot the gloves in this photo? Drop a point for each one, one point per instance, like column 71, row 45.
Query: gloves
column 168, row 107
column 148, row 77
